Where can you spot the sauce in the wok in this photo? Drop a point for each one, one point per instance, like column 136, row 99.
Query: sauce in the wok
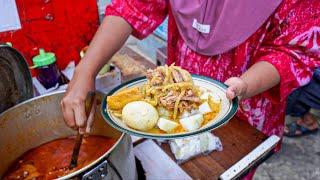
column 51, row 160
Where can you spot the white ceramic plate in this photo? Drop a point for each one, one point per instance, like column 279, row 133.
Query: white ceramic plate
column 227, row 111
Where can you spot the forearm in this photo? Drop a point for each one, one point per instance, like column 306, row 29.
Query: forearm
column 111, row 35
column 259, row 78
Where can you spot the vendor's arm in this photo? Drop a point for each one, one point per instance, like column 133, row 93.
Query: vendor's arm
column 123, row 17
column 111, row 35
column 257, row 79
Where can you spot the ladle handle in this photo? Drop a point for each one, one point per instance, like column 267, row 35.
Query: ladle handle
column 76, row 149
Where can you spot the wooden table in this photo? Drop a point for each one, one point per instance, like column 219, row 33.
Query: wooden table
column 238, row 139
column 137, row 57
column 244, row 148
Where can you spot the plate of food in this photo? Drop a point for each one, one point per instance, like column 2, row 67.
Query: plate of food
column 168, row 103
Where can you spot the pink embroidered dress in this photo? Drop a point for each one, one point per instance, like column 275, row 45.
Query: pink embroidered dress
column 289, row 40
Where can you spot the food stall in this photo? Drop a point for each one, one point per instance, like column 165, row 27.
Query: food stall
column 243, row 146
column 31, row 116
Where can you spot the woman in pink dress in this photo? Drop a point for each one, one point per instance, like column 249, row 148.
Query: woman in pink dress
column 263, row 49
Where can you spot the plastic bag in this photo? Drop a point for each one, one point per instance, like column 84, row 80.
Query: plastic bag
column 187, row 148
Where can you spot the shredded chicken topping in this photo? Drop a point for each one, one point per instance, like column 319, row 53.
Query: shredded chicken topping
column 172, row 88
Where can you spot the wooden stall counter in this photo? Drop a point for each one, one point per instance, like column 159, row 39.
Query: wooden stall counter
column 244, row 148
column 238, row 139
column 131, row 64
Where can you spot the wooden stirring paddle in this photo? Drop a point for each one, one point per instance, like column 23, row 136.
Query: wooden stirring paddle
column 78, row 141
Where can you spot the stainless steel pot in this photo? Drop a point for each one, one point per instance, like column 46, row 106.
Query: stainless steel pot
column 39, row 120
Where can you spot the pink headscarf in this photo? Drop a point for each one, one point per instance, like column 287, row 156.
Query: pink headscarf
column 212, row 27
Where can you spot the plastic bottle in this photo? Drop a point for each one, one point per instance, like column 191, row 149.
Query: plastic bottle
column 48, row 73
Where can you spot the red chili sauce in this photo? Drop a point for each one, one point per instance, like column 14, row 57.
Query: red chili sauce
column 51, row 160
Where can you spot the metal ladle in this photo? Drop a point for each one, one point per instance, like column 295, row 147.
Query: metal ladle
column 78, row 141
